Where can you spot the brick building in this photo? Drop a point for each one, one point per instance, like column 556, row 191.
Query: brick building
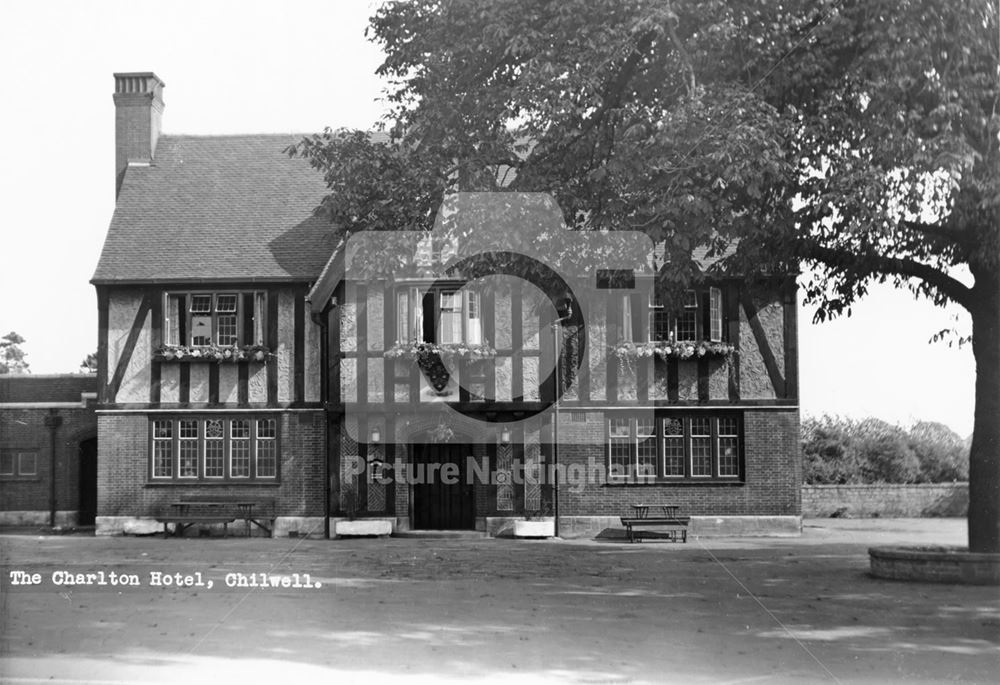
column 48, row 428
column 237, row 356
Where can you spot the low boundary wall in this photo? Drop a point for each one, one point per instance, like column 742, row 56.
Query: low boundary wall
column 885, row 500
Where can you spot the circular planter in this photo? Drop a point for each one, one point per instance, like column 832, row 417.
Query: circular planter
column 935, row 565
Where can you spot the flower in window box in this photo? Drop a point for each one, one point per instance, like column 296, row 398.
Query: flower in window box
column 259, row 355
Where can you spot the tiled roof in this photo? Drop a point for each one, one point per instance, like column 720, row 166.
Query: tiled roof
column 55, row 388
column 218, row 207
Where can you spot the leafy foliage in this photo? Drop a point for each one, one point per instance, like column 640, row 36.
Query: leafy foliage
column 89, row 363
column 798, row 130
column 12, row 357
column 841, row 450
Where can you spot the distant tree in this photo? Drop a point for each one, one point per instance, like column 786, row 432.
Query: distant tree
column 89, row 364
column 11, row 355
column 885, row 453
column 827, row 453
column 943, row 454
column 838, row 450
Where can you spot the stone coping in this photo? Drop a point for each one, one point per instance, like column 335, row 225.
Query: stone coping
column 935, row 564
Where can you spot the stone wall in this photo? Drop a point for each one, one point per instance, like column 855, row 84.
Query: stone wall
column 888, row 500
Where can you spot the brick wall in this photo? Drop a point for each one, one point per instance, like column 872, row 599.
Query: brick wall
column 46, row 388
column 891, row 500
column 773, row 474
column 771, row 487
column 123, row 466
column 24, row 430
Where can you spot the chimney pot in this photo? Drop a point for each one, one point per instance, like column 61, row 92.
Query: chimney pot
column 138, row 110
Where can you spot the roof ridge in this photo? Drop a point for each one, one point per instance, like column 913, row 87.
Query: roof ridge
column 234, row 135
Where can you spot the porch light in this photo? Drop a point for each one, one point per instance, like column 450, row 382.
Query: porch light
column 504, row 436
column 376, row 435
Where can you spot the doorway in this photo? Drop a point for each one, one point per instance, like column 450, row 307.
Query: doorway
column 442, row 503
column 88, row 483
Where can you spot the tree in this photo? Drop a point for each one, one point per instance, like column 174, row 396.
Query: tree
column 855, row 137
column 89, row 363
column 885, row 453
column 11, row 355
column 943, row 454
column 827, row 453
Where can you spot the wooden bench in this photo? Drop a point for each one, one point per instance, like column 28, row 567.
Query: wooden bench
column 182, row 522
column 671, row 526
column 221, row 509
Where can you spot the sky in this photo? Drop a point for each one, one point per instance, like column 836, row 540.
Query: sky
column 291, row 67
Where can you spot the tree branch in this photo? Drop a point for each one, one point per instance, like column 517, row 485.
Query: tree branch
column 611, row 96
column 898, row 266
column 679, row 46
column 959, row 237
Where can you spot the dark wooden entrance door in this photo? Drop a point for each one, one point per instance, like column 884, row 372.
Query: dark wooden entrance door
column 442, row 503
column 88, row 482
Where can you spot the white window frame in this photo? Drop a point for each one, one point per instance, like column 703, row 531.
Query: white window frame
column 253, row 441
column 686, row 440
column 715, row 314
column 12, row 456
column 172, row 315
column 467, row 310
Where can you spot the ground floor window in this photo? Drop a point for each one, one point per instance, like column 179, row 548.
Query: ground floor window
column 18, row 463
column 214, row 448
column 674, row 446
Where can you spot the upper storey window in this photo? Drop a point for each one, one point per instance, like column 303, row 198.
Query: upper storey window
column 444, row 315
column 700, row 317
column 204, row 319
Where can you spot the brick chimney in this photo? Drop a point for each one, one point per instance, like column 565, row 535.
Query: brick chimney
column 138, row 109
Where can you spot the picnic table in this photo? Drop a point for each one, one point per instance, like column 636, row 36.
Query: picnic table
column 671, row 524
column 192, row 510
column 667, row 510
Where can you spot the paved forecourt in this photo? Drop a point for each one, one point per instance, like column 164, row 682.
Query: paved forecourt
column 788, row 610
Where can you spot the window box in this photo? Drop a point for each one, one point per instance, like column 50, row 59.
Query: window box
column 630, row 351
column 212, row 353
column 417, row 351
column 432, row 358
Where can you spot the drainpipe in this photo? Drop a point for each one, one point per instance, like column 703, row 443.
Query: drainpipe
column 324, row 356
column 557, row 344
column 52, row 422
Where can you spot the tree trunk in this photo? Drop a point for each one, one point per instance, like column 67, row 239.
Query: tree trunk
column 984, row 457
